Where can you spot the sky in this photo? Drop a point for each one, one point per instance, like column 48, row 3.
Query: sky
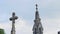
column 49, row 12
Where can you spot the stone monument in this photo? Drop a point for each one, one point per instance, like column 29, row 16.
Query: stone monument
column 13, row 18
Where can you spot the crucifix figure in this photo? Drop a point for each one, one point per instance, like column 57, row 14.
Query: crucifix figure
column 13, row 18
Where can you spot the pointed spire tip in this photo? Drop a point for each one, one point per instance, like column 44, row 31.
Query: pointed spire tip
column 36, row 7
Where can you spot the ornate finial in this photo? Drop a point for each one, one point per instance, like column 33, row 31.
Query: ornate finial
column 36, row 7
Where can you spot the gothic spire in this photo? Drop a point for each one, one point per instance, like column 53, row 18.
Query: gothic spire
column 37, row 14
column 37, row 27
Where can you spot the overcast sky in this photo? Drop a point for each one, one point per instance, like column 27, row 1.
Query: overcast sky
column 49, row 11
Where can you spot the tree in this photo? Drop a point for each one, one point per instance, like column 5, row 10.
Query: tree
column 2, row 31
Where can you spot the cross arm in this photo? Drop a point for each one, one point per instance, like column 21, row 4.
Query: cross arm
column 10, row 19
column 13, row 18
column 16, row 17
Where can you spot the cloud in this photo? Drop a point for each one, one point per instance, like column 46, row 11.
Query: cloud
column 51, row 26
column 22, row 27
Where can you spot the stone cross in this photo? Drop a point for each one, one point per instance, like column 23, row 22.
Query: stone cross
column 13, row 18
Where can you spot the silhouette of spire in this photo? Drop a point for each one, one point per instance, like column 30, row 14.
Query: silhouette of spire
column 37, row 27
column 37, row 14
